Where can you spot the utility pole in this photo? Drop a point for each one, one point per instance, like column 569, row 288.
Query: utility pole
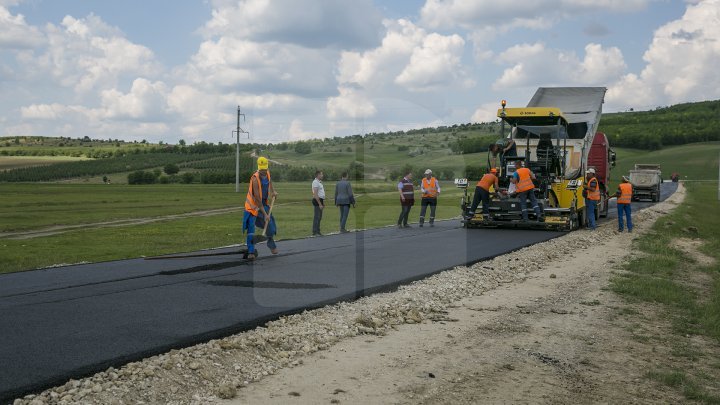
column 237, row 149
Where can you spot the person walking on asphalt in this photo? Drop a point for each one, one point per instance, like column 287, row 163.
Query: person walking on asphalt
column 343, row 199
column 591, row 192
column 624, row 198
column 407, row 199
column 523, row 179
column 256, row 208
column 318, row 201
column 430, row 189
column 482, row 192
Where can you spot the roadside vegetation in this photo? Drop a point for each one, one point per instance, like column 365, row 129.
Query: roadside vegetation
column 666, row 126
column 677, row 269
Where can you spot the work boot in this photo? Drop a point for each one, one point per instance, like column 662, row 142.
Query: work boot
column 541, row 218
column 274, row 251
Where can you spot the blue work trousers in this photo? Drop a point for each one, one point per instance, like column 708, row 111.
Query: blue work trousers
column 251, row 222
column 344, row 212
column 533, row 202
column 590, row 206
column 624, row 209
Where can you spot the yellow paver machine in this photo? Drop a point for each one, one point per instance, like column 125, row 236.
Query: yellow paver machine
column 556, row 138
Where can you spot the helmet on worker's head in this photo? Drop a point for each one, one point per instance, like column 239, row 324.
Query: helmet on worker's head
column 626, row 179
column 428, row 171
column 262, row 163
column 590, row 170
column 493, row 170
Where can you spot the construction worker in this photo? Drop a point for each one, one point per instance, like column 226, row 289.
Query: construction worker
column 523, row 179
column 407, row 199
column 430, row 189
column 482, row 192
column 256, row 208
column 624, row 198
column 591, row 192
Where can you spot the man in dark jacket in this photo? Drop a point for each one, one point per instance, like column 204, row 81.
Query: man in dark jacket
column 407, row 199
column 343, row 199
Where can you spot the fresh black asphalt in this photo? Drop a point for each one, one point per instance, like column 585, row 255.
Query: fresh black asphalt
column 73, row 321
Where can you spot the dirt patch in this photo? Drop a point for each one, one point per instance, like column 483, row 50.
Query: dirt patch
column 691, row 247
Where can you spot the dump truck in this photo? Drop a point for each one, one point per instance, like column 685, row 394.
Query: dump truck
column 556, row 137
column 646, row 179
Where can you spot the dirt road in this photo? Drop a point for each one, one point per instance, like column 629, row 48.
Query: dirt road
column 555, row 337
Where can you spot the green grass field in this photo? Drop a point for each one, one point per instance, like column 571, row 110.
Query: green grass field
column 664, row 275
column 37, row 206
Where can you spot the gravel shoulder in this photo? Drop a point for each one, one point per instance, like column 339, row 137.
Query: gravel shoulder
column 537, row 325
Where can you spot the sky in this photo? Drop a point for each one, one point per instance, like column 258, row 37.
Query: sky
column 165, row 70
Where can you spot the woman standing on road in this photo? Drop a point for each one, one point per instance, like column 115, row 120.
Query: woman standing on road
column 343, row 199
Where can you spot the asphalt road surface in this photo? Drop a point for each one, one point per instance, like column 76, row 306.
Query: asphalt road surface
column 68, row 322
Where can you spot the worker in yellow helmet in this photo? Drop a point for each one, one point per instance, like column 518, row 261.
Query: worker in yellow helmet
column 256, row 208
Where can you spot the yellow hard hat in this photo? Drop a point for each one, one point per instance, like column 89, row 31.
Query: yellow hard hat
column 262, row 163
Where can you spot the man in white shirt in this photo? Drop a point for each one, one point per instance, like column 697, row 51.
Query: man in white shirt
column 318, row 201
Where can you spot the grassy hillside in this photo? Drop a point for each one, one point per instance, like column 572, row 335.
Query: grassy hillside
column 698, row 161
column 674, row 125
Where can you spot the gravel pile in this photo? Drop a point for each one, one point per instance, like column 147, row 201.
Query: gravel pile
column 220, row 368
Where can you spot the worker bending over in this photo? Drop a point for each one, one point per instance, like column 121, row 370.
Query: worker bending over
column 523, row 179
column 482, row 192
column 256, row 208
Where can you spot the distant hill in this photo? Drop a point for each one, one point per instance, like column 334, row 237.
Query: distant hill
column 675, row 125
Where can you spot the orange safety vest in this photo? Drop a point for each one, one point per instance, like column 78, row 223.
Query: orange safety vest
column 430, row 187
column 525, row 182
column 593, row 190
column 487, row 181
column 625, row 193
column 250, row 199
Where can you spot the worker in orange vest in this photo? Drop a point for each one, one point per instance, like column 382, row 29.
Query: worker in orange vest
column 624, row 198
column 482, row 192
column 430, row 189
column 523, row 179
column 256, row 208
column 591, row 192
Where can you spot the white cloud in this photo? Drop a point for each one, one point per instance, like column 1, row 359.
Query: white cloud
column 350, row 104
column 16, row 33
column 535, row 65
column 230, row 64
column 346, row 24
column 681, row 62
column 487, row 112
column 87, row 54
column 478, row 14
column 297, row 132
column 409, row 59
column 433, row 64
column 145, row 100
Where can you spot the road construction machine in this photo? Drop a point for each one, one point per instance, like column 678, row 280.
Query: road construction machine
column 555, row 137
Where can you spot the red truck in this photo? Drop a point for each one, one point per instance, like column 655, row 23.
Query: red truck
column 602, row 159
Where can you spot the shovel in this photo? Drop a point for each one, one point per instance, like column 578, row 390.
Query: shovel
column 263, row 236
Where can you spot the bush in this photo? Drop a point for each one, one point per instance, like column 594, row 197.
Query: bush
column 141, row 177
column 403, row 148
column 171, row 169
column 187, row 177
column 303, row 148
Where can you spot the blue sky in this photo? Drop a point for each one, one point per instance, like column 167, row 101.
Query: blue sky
column 170, row 70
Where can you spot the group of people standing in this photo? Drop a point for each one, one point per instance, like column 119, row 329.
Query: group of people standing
column 429, row 190
column 344, row 198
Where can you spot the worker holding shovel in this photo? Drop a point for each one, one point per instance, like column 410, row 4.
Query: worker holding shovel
column 257, row 210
